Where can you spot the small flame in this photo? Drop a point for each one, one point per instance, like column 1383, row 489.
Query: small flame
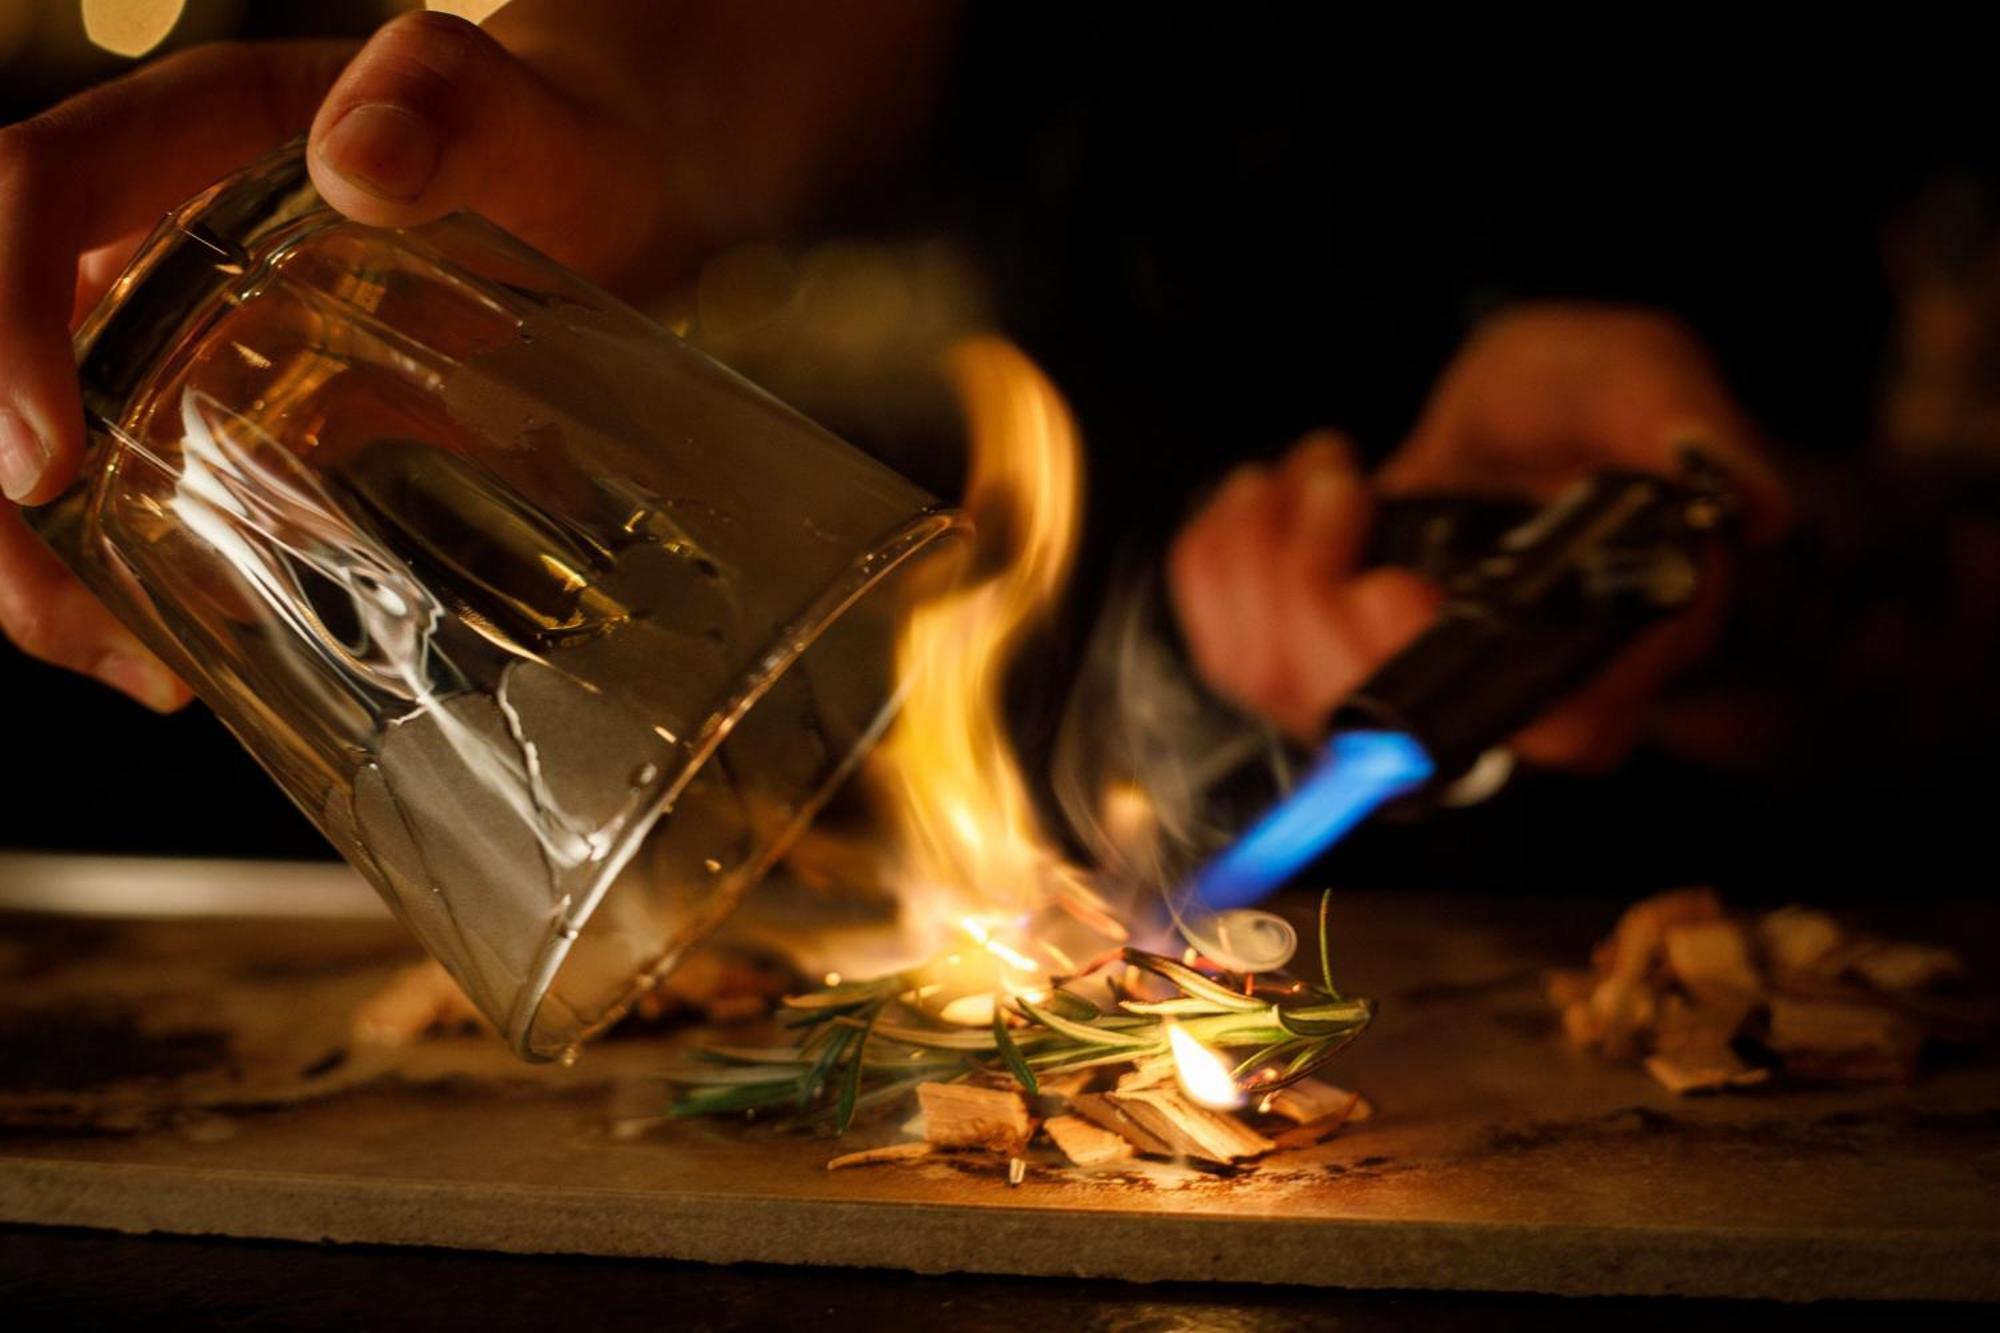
column 999, row 948
column 970, row 850
column 1202, row 1073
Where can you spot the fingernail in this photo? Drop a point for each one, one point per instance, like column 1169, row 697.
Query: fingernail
column 23, row 456
column 383, row 149
column 144, row 679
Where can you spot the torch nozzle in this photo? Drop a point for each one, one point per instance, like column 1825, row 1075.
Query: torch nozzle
column 1355, row 774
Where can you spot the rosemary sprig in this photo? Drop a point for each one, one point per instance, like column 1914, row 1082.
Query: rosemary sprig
column 864, row 1044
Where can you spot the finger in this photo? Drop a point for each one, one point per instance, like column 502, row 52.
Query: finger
column 1357, row 625
column 1202, row 580
column 1327, row 524
column 1547, row 394
column 434, row 115
column 1253, row 522
column 95, row 169
column 50, row 615
column 96, row 270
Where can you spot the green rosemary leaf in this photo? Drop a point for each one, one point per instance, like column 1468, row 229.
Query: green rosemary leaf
column 1071, row 1006
column 1070, row 1062
column 1017, row 1064
column 721, row 1076
column 752, row 1055
column 1183, row 1005
column 1326, row 954
column 1191, row 981
column 1256, row 1061
column 847, row 995
column 1340, row 1011
column 948, row 1039
column 1293, row 1021
column 1083, row 1032
column 836, row 1046
column 850, row 1079
column 712, row 1101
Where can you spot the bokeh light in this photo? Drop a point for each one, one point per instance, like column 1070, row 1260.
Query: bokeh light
column 130, row 27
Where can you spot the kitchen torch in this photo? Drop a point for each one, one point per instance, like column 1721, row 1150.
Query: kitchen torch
column 1537, row 603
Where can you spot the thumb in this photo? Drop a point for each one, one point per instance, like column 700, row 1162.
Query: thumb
column 434, row 115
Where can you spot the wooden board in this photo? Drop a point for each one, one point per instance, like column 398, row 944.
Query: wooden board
column 1498, row 1161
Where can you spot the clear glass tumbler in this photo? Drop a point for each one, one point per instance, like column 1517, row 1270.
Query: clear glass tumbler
column 557, row 629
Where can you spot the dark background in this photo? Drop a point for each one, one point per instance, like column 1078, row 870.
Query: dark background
column 1219, row 227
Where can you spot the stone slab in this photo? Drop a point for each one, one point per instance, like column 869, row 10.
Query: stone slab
column 1499, row 1161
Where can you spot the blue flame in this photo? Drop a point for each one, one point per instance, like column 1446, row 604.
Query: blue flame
column 1357, row 772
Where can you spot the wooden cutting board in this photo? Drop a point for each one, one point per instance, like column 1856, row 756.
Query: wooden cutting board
column 206, row 1089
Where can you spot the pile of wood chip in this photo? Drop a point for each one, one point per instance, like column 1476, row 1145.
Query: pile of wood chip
column 1073, row 1120
column 1707, row 1000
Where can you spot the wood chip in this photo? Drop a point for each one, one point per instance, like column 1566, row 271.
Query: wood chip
column 1843, row 1041
column 1893, row 965
column 1309, row 1100
column 1064, row 1088
column 1702, row 1024
column 1310, row 1132
column 1623, row 1008
column 960, row 1116
column 1682, row 1075
column 1582, row 1025
column 1797, row 939
column 1086, row 1144
column 1191, row 1129
column 1101, row 1110
column 1636, row 943
column 1693, row 1045
column 1150, row 1072
column 895, row 1152
column 1713, row 958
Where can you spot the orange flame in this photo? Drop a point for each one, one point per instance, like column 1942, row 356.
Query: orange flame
column 972, row 857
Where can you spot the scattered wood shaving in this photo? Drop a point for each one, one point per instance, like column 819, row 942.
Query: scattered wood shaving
column 1705, row 1002
column 894, row 1152
column 1893, row 965
column 1636, row 943
column 1190, row 1129
column 1622, row 1009
column 1101, row 1110
column 1062, row 1089
column 1150, row 1072
column 1682, row 1075
column 1844, row 1041
column 1085, row 1144
column 1309, row 1100
column 1310, row 1132
column 1713, row 957
column 958, row 1115
column 1797, row 939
